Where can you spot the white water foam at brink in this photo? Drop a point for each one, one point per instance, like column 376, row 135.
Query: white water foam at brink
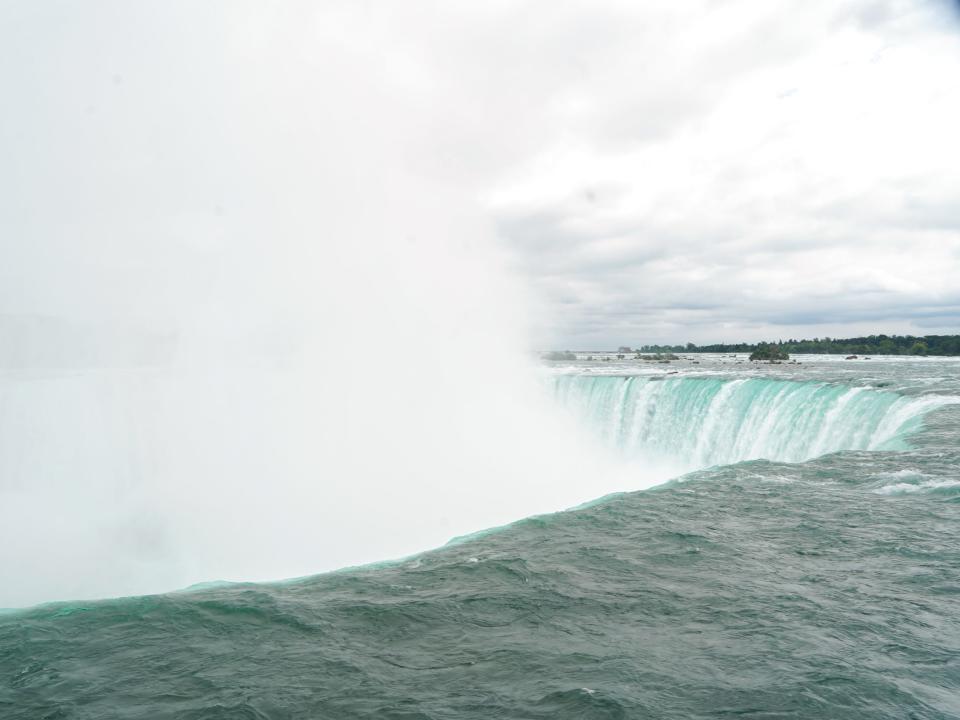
column 703, row 422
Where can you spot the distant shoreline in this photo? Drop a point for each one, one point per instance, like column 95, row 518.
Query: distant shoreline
column 916, row 345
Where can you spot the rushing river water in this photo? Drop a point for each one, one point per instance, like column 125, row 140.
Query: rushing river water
column 807, row 565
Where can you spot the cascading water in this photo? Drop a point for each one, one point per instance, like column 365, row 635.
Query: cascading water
column 702, row 422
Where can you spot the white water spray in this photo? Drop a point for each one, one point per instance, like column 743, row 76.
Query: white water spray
column 259, row 337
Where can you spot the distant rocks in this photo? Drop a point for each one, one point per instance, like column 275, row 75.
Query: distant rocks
column 558, row 355
column 658, row 357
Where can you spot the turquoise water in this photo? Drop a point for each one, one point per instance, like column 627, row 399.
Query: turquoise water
column 808, row 568
column 706, row 421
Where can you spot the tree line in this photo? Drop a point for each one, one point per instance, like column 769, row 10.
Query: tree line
column 869, row 345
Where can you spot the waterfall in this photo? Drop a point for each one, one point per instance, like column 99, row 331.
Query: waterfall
column 701, row 422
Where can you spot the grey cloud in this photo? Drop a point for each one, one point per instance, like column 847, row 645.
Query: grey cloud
column 815, row 217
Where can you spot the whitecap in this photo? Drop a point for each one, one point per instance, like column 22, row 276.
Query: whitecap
column 904, row 487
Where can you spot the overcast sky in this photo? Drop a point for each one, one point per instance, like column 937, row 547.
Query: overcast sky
column 727, row 171
column 704, row 170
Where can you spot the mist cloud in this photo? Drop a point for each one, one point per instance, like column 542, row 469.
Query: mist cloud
column 249, row 331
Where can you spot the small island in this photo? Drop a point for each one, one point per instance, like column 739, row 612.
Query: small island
column 769, row 353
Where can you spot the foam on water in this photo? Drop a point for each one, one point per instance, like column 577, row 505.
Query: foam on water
column 927, row 485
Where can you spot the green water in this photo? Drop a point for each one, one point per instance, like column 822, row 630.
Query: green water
column 823, row 588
